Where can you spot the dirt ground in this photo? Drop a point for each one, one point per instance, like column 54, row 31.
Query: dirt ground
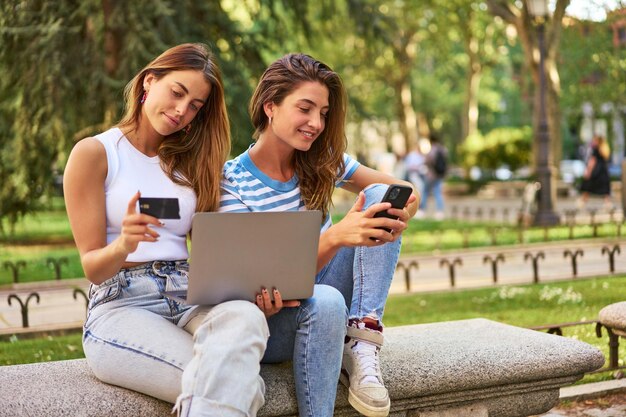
column 608, row 406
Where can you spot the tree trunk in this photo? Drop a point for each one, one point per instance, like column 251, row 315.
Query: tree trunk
column 112, row 47
column 469, row 122
column 469, row 119
column 423, row 128
column 406, row 114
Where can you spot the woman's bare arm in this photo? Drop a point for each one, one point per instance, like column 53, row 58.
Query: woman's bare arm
column 83, row 187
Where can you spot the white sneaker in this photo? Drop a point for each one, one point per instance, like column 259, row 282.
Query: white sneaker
column 440, row 215
column 360, row 372
column 420, row 214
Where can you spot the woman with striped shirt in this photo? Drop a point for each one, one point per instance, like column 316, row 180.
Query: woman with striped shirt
column 298, row 111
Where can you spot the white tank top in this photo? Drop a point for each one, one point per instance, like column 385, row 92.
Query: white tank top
column 130, row 171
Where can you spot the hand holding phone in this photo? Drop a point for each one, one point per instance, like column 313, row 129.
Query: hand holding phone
column 161, row 208
column 397, row 195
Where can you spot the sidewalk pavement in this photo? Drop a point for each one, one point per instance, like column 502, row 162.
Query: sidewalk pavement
column 61, row 304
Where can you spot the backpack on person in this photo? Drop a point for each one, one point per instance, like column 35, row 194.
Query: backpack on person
column 440, row 164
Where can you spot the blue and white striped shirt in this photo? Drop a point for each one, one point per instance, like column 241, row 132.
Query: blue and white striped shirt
column 245, row 188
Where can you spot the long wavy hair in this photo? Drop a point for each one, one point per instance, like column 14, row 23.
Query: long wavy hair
column 195, row 158
column 317, row 169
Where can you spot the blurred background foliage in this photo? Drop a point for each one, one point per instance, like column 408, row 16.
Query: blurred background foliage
column 452, row 66
column 502, row 146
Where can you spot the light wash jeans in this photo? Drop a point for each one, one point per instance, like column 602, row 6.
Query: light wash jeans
column 363, row 274
column 135, row 338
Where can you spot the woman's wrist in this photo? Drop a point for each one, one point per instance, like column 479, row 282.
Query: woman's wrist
column 331, row 238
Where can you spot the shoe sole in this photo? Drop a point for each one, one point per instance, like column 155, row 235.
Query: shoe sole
column 360, row 406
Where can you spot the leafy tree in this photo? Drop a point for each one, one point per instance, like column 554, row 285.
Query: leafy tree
column 595, row 71
column 65, row 63
column 41, row 84
column 517, row 14
column 483, row 40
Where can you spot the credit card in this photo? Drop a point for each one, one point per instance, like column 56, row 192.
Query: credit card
column 161, row 208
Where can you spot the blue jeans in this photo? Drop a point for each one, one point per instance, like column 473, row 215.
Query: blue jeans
column 311, row 335
column 434, row 185
column 362, row 274
column 135, row 338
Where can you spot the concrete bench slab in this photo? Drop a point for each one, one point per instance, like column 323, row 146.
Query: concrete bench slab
column 462, row 368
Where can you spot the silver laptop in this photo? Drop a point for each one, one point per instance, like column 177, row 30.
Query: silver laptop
column 234, row 255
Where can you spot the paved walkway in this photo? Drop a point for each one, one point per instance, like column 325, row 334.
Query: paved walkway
column 60, row 303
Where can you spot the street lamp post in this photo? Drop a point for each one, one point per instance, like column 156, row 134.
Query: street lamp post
column 545, row 215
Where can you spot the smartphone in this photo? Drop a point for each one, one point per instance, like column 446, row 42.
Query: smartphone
column 397, row 195
column 161, row 208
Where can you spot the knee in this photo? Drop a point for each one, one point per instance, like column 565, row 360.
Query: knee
column 239, row 315
column 374, row 193
column 329, row 305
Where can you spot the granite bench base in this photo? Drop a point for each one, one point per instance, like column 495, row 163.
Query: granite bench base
column 474, row 368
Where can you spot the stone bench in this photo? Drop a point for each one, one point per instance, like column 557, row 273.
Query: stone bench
column 475, row 368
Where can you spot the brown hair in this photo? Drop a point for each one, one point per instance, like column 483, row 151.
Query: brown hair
column 317, row 168
column 194, row 159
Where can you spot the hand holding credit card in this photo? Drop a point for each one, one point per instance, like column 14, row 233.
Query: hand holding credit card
column 161, row 208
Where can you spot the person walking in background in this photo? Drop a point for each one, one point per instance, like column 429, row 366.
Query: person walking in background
column 298, row 112
column 596, row 179
column 415, row 167
column 436, row 162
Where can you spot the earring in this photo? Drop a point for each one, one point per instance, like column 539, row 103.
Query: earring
column 143, row 98
column 270, row 117
column 187, row 129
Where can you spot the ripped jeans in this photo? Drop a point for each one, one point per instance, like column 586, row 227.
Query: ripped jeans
column 363, row 274
column 135, row 338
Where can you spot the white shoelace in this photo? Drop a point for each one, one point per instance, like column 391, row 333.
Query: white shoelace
column 368, row 362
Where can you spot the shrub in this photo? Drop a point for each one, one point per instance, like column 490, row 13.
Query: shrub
column 508, row 146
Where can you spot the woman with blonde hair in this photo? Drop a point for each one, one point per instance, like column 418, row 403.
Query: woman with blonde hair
column 596, row 179
column 171, row 142
column 298, row 111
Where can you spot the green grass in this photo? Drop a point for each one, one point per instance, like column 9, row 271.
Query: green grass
column 51, row 348
column 523, row 305
column 36, row 266
column 41, row 227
